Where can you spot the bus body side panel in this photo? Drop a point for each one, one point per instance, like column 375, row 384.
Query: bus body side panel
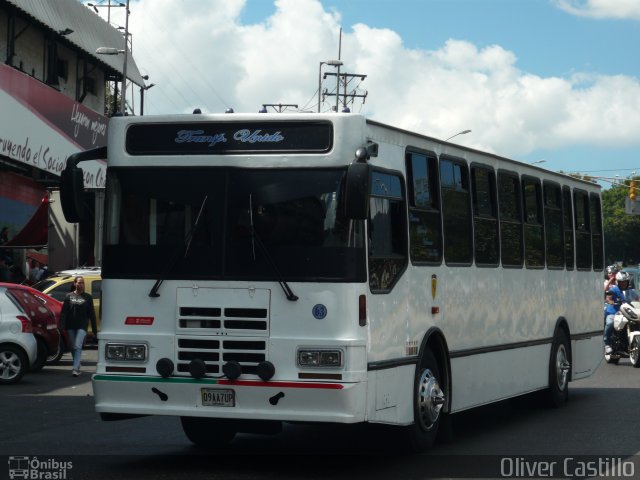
column 391, row 319
column 585, row 319
column 487, row 377
column 389, row 398
column 498, row 322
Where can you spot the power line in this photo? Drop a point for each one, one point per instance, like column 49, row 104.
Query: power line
column 187, row 86
column 610, row 170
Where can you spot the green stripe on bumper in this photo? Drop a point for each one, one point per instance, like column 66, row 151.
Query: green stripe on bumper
column 132, row 378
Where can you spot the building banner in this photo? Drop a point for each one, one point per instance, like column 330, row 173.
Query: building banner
column 41, row 127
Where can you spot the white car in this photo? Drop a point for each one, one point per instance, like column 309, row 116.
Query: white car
column 18, row 345
column 74, row 272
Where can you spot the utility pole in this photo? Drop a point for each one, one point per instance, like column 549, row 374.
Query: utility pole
column 346, row 79
column 123, row 94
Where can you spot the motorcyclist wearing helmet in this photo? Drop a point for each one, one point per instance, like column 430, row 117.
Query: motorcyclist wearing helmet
column 612, row 270
column 616, row 295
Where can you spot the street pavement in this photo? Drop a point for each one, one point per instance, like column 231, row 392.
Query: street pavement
column 51, row 414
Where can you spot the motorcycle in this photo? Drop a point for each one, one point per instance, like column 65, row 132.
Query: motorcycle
column 625, row 340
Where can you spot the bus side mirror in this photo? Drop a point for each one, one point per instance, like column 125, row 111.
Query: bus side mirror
column 72, row 194
column 72, row 184
column 357, row 188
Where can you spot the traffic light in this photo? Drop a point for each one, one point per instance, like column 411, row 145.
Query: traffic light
column 633, row 193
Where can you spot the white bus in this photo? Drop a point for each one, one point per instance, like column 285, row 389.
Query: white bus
column 269, row 268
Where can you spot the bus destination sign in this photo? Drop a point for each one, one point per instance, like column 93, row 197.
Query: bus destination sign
column 207, row 138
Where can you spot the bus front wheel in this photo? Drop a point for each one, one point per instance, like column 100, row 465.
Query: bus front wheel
column 429, row 399
column 208, row 432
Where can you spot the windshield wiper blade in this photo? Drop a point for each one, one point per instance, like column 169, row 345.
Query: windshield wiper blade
column 283, row 283
column 195, row 226
column 156, row 286
column 255, row 239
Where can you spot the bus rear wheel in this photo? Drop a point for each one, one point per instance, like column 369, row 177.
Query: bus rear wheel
column 559, row 371
column 208, row 432
column 429, row 398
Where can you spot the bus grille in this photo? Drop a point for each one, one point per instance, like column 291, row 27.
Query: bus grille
column 215, row 353
column 218, row 325
column 223, row 321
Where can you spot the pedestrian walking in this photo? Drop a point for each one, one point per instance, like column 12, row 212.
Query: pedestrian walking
column 77, row 312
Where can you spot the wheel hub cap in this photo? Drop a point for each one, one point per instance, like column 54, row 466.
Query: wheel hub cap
column 430, row 399
column 562, row 367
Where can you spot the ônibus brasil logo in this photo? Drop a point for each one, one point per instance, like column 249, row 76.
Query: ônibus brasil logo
column 39, row 469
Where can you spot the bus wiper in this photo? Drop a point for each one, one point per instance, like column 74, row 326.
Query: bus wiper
column 255, row 239
column 156, row 286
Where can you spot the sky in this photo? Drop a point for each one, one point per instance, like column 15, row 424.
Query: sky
column 556, row 82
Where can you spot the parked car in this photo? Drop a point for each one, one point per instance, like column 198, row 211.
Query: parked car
column 80, row 271
column 58, row 285
column 18, row 345
column 44, row 313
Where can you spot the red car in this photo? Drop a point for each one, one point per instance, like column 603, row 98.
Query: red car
column 44, row 313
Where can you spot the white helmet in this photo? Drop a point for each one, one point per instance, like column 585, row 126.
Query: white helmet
column 622, row 277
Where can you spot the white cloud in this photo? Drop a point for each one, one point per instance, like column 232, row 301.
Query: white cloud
column 200, row 54
column 601, row 8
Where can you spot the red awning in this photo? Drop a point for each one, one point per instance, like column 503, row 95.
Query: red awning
column 41, row 258
column 35, row 234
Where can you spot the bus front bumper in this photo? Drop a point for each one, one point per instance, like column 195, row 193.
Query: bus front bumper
column 245, row 399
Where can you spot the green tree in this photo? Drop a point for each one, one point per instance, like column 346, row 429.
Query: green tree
column 621, row 230
column 111, row 101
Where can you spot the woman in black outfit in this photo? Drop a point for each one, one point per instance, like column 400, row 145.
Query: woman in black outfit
column 77, row 311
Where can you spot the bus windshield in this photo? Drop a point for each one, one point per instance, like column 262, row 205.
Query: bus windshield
column 151, row 229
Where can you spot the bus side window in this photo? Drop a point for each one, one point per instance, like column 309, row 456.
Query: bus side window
column 509, row 202
column 583, row 229
column 533, row 228
column 425, row 231
column 596, row 232
column 456, row 211
column 568, row 227
column 387, row 231
column 553, row 225
column 485, row 216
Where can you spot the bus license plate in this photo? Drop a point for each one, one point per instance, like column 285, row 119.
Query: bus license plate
column 214, row 397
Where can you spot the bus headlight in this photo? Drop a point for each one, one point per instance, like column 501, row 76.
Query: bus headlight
column 136, row 353
column 309, row 357
column 121, row 352
column 114, row 352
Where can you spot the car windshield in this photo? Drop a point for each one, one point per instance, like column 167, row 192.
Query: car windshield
column 296, row 215
column 6, row 293
column 42, row 285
